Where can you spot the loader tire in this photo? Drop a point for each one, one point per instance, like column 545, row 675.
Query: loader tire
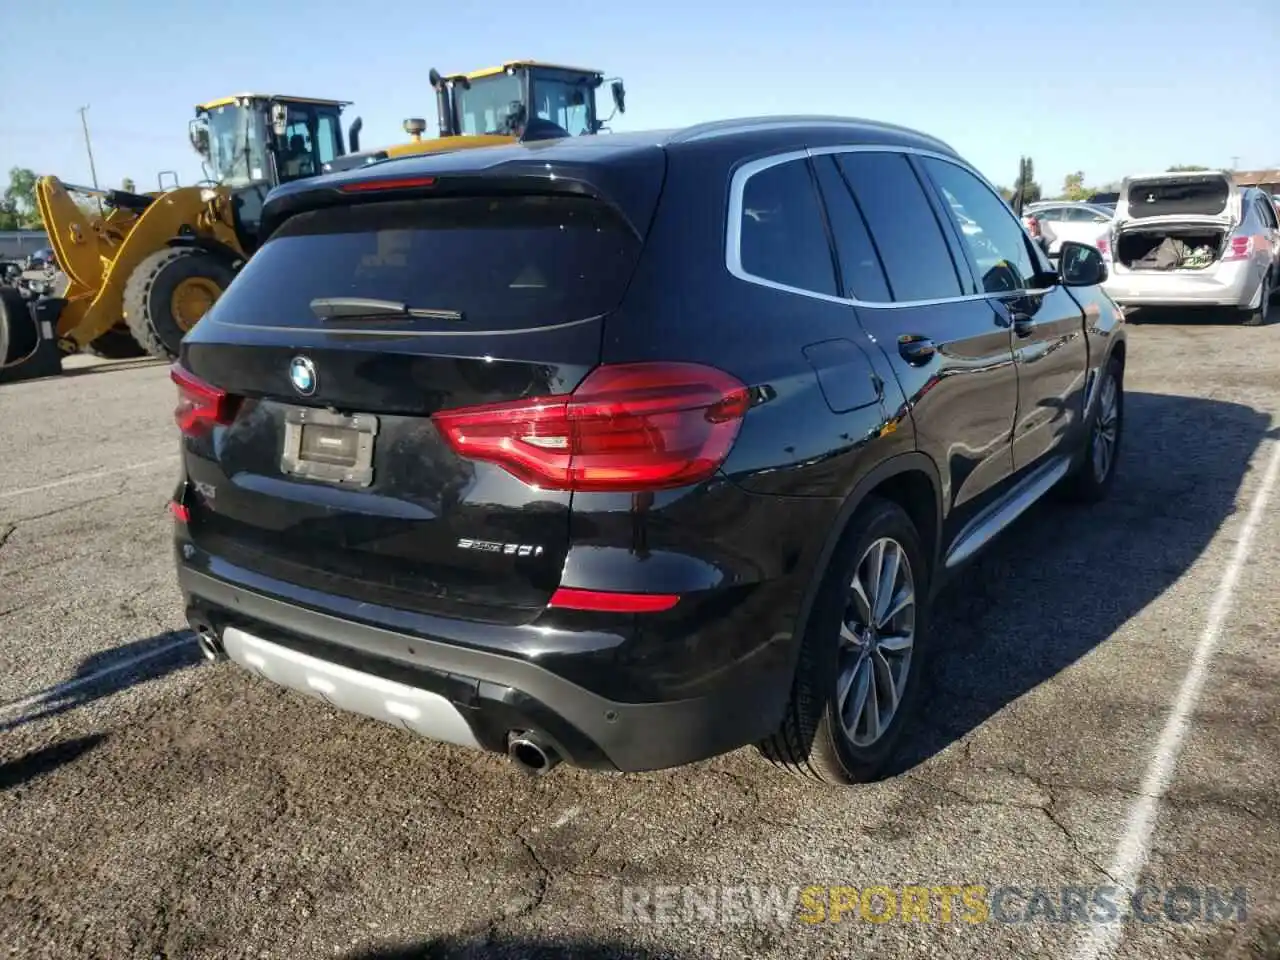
column 116, row 344
column 168, row 293
column 18, row 331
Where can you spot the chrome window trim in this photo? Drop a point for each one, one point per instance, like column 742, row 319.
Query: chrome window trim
column 733, row 232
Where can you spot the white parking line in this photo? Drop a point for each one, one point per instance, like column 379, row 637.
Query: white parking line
column 61, row 689
column 1101, row 941
column 92, row 475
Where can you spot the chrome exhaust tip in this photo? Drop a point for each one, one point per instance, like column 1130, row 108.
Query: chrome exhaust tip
column 207, row 640
column 528, row 752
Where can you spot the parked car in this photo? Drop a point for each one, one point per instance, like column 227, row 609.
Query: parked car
column 634, row 451
column 1066, row 220
column 1194, row 239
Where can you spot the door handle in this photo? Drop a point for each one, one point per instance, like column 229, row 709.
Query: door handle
column 917, row 351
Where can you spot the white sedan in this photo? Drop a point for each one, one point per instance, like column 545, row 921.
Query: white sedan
column 1064, row 220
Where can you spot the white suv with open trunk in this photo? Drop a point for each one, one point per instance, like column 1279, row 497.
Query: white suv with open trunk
column 1193, row 239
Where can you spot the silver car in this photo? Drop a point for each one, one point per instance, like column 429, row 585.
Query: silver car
column 1191, row 240
column 1062, row 220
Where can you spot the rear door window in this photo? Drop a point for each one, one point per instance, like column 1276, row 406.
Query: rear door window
column 783, row 238
column 860, row 268
column 907, row 235
column 499, row 263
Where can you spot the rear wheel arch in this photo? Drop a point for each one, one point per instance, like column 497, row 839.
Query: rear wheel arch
column 910, row 480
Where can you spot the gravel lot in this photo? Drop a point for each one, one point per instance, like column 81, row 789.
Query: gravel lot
column 1107, row 712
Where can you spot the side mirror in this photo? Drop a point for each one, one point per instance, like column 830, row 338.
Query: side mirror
column 279, row 119
column 1081, row 265
column 619, row 95
column 353, row 135
column 198, row 133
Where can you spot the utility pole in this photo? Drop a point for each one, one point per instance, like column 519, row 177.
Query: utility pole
column 88, row 146
column 93, row 171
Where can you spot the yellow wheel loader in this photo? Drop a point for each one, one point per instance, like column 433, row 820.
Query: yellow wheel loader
column 518, row 100
column 148, row 267
column 143, row 272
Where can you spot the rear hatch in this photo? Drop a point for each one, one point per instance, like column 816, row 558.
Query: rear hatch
column 346, row 331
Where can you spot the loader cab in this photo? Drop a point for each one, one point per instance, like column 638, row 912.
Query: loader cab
column 257, row 138
column 251, row 143
column 523, row 98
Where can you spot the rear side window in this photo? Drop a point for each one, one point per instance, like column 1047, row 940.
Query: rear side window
column 907, row 234
column 1195, row 196
column 859, row 263
column 783, row 236
column 503, row 263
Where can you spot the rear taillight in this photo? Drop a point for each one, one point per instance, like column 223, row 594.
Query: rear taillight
column 1104, row 245
column 200, row 405
column 1240, row 248
column 629, row 427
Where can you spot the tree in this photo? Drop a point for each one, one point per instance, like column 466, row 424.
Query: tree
column 20, row 198
column 1025, row 185
column 1185, row 168
column 1073, row 187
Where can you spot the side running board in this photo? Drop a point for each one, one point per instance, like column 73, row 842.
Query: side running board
column 983, row 528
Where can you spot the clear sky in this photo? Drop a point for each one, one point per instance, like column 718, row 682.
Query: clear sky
column 1105, row 86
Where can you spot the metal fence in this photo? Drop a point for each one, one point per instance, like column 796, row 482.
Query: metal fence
column 20, row 243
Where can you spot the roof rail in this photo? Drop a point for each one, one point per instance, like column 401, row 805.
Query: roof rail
column 722, row 128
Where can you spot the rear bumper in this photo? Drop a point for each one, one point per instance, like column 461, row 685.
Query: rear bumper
column 474, row 697
column 1224, row 285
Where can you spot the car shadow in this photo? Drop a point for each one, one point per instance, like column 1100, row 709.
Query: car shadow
column 1064, row 578
column 14, row 773
column 515, row 948
column 107, row 672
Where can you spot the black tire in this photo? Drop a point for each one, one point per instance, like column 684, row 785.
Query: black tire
column 19, row 334
column 1086, row 483
column 811, row 742
column 1261, row 316
column 148, row 295
column 117, row 344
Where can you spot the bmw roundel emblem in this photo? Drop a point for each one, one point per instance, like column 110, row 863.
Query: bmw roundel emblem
column 302, row 374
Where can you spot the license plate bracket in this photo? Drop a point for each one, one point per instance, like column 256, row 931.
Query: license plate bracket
column 327, row 446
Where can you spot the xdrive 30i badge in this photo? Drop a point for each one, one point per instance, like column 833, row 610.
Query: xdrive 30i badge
column 510, row 549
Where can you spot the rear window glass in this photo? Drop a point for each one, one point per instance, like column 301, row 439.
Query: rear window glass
column 503, row 263
column 1201, row 196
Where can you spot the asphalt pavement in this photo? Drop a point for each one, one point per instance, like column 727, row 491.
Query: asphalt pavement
column 1101, row 732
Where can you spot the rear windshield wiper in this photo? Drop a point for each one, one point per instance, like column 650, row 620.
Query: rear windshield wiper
column 350, row 308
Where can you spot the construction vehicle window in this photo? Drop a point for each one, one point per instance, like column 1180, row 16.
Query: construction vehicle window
column 236, row 148
column 564, row 103
column 490, row 104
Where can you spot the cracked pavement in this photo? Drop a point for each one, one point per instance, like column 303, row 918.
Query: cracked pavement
column 170, row 808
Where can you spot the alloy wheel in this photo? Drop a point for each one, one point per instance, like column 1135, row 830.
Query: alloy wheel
column 877, row 635
column 1106, row 429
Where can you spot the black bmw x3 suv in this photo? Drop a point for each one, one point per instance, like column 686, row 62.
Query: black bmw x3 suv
column 631, row 450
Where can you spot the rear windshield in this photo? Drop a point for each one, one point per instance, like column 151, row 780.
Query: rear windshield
column 503, row 263
column 1201, row 196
